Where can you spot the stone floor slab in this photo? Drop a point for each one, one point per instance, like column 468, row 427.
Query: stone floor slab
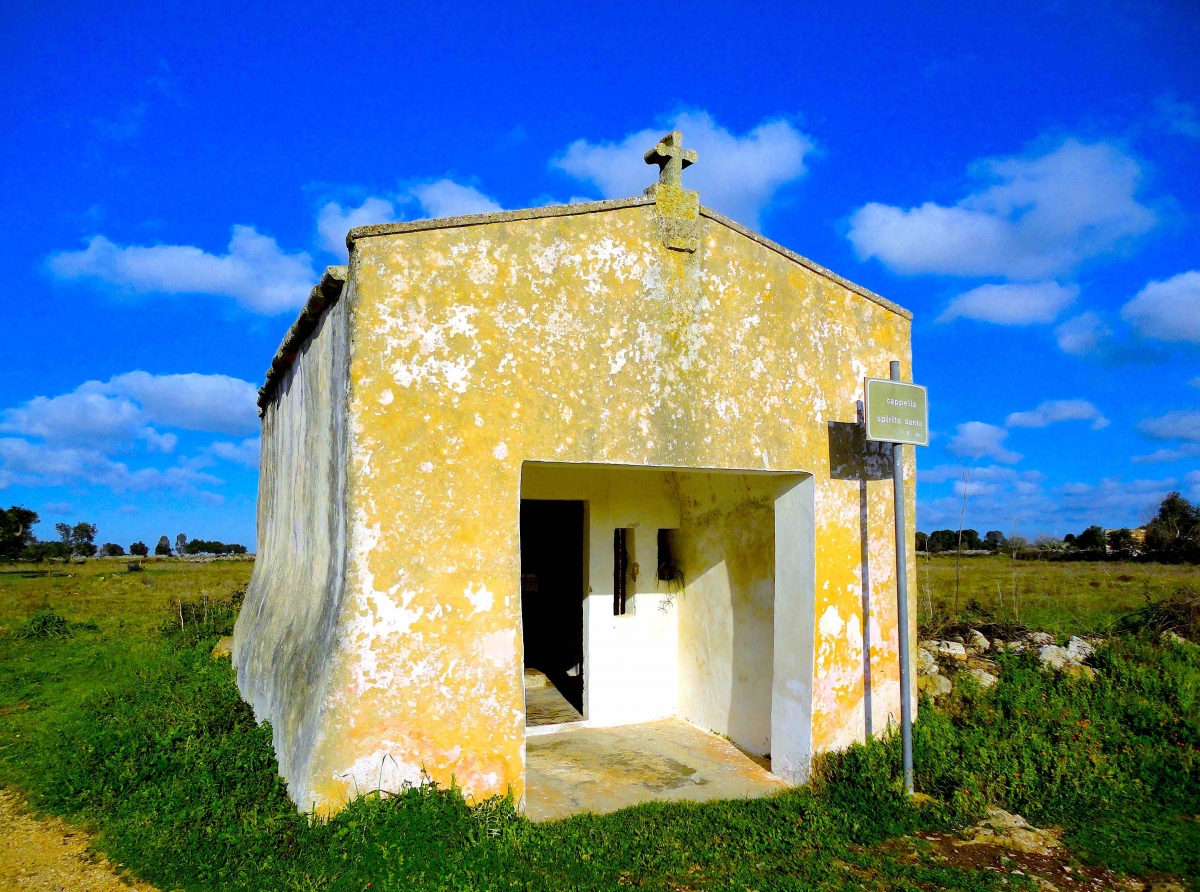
column 580, row 769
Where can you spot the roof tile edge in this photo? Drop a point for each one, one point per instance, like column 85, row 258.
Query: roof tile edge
column 805, row 262
column 324, row 295
column 551, row 210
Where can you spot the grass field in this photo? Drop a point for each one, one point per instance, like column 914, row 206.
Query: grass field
column 1061, row 597
column 125, row 726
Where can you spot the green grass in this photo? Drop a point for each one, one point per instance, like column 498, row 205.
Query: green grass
column 1061, row 597
column 127, row 727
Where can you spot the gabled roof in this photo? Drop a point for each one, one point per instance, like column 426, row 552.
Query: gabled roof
column 327, row 292
column 591, row 207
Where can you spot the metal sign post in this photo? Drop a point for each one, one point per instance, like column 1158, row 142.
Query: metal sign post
column 898, row 413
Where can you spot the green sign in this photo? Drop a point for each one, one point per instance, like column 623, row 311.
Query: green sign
column 897, row 412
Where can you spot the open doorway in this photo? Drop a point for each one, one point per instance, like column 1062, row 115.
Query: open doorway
column 552, row 593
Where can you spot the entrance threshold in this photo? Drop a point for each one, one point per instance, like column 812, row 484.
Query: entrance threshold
column 545, row 706
column 577, row 768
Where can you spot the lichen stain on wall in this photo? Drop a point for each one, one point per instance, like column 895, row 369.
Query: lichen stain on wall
column 571, row 339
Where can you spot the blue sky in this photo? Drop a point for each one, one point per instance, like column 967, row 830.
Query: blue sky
column 1022, row 176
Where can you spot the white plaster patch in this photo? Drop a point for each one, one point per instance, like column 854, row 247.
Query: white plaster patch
column 501, row 647
column 431, row 339
column 854, row 636
column 481, row 270
column 618, row 361
column 386, row 397
column 381, row 770
column 546, row 259
column 831, row 624
column 480, row 600
column 478, row 420
column 501, row 451
column 426, row 466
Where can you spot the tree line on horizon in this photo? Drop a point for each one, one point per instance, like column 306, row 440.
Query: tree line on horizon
column 19, row 543
column 1173, row 533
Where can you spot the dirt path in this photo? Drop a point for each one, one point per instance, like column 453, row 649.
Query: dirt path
column 47, row 855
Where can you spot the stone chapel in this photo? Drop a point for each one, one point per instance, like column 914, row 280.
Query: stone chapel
column 596, row 464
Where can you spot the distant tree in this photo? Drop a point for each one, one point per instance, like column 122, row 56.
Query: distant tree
column 1176, row 526
column 84, row 537
column 1046, row 542
column 943, row 540
column 204, row 546
column 111, row 549
column 78, row 540
column 1016, row 543
column 16, row 531
column 971, row 540
column 1121, row 540
column 163, row 547
column 1091, row 539
column 139, row 549
column 922, row 541
column 994, row 540
column 38, row 551
column 1070, row 541
column 181, row 544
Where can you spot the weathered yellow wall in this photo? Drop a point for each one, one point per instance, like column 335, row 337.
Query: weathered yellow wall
column 575, row 339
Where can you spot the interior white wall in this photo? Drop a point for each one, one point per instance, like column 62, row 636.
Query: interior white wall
column 795, row 628
column 726, row 611
column 630, row 662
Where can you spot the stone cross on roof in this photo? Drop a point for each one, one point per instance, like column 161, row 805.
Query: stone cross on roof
column 671, row 158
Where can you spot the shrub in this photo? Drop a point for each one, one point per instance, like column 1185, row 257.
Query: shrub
column 1178, row 613
column 45, row 624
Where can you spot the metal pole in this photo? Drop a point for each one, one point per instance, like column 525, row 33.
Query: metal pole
column 902, row 606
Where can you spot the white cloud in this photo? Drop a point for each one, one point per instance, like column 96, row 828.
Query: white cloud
column 1168, row 310
column 437, row 198
column 245, row 453
column 1195, row 382
column 255, row 271
column 1053, row 411
column 1182, row 424
column 1009, row 500
column 1012, row 304
column 58, row 509
column 736, row 175
column 78, row 430
column 42, row 464
column 78, row 417
column 1186, row 450
column 192, row 401
column 1036, row 217
column 446, row 198
column 1083, row 335
column 111, row 413
column 334, row 221
column 975, row 439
